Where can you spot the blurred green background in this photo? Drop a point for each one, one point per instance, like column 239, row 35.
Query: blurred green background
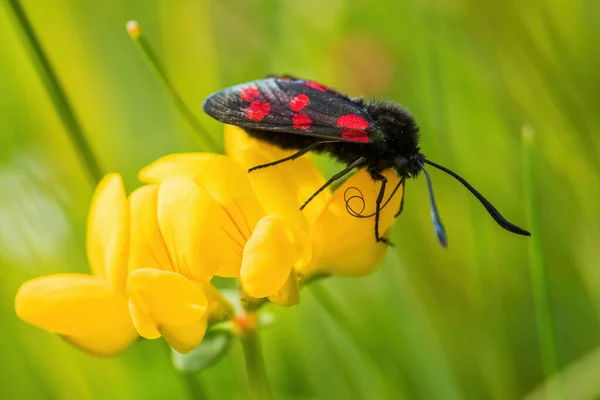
column 460, row 323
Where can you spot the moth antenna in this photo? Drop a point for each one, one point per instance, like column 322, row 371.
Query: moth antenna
column 435, row 215
column 494, row 213
column 361, row 198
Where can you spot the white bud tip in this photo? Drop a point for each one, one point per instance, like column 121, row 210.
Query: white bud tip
column 133, row 29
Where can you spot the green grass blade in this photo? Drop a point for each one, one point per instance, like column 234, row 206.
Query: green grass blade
column 54, row 87
column 155, row 63
column 539, row 280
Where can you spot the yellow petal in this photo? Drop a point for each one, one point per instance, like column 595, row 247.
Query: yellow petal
column 224, row 179
column 108, row 231
column 181, row 338
column 237, row 138
column 227, row 182
column 105, row 344
column 185, row 338
column 274, row 249
column 164, row 298
column 344, row 244
column 364, row 261
column 189, row 221
column 289, row 294
column 282, row 188
column 86, row 310
column 147, row 248
column 143, row 322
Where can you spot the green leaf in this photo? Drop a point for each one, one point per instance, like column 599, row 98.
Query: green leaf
column 214, row 347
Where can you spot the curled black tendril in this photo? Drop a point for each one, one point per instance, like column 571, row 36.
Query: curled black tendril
column 359, row 195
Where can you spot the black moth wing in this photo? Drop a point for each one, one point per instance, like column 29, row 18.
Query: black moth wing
column 294, row 106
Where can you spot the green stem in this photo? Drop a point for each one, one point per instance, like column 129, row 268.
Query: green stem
column 255, row 366
column 54, row 88
column 194, row 387
column 161, row 72
column 539, row 280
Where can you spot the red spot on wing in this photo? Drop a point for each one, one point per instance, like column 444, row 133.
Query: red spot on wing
column 249, row 93
column 355, row 135
column 352, row 121
column 257, row 110
column 316, row 85
column 301, row 121
column 299, row 102
column 355, row 127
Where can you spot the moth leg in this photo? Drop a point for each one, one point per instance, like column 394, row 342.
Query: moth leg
column 356, row 164
column 401, row 203
column 292, row 157
column 378, row 177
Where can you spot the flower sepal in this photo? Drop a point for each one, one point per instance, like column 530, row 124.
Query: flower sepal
column 220, row 308
column 216, row 344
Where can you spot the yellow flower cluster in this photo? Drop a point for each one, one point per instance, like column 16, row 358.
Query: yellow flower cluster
column 199, row 215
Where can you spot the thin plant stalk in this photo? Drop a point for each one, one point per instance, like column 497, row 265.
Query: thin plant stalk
column 255, row 365
column 539, row 280
column 194, row 387
column 55, row 89
column 155, row 63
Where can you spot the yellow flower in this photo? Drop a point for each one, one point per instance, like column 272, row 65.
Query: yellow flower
column 89, row 311
column 172, row 260
column 263, row 249
column 342, row 244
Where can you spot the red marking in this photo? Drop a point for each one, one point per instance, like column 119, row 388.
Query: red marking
column 301, row 121
column 257, row 110
column 355, row 135
column 355, row 128
column 249, row 93
column 299, row 102
column 352, row 121
column 245, row 322
column 316, row 85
